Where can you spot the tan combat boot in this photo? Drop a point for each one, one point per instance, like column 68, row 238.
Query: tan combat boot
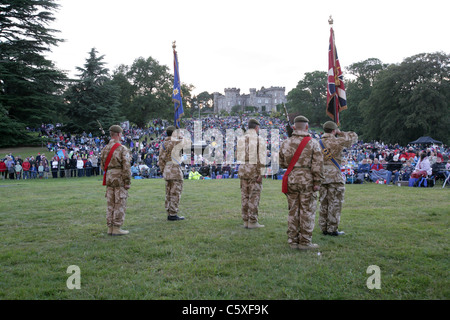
column 119, row 232
column 110, row 231
column 255, row 225
column 308, row 246
column 245, row 224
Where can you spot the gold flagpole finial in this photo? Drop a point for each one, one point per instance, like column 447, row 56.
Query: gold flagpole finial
column 174, row 45
column 330, row 20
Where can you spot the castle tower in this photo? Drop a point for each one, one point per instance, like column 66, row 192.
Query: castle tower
column 231, row 98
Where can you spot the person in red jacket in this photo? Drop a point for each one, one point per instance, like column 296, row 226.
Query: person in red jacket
column 411, row 154
column 376, row 166
column 2, row 169
column 26, row 169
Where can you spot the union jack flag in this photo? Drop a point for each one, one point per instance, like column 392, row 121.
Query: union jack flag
column 336, row 97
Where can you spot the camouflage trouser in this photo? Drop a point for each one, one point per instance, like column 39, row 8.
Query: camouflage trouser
column 302, row 202
column 331, row 199
column 250, row 195
column 173, row 194
column 116, row 199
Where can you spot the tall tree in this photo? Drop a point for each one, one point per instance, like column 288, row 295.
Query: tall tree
column 358, row 90
column 310, row 96
column 94, row 97
column 146, row 91
column 409, row 100
column 30, row 83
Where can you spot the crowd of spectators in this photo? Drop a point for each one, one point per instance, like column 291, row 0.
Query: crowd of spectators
column 78, row 155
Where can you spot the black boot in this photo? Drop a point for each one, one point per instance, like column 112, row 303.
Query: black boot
column 174, row 218
column 336, row 233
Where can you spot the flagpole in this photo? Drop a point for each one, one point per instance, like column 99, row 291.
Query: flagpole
column 330, row 22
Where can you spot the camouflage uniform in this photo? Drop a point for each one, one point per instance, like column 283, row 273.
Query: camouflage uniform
column 171, row 169
column 118, row 175
column 302, row 200
column 333, row 184
column 251, row 150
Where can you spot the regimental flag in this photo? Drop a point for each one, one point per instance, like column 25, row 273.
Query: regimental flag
column 336, row 97
column 177, row 95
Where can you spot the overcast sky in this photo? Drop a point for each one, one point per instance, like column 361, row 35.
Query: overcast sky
column 247, row 43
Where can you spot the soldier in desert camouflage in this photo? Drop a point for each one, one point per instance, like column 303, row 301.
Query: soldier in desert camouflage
column 172, row 173
column 303, row 183
column 333, row 185
column 251, row 154
column 117, row 180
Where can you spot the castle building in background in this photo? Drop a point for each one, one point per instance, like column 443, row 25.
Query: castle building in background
column 264, row 100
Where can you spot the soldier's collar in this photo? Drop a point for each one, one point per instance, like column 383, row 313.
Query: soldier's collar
column 327, row 135
column 300, row 133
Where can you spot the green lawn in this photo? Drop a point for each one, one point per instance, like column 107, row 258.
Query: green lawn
column 25, row 152
column 49, row 225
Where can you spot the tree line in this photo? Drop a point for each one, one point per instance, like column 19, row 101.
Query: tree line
column 392, row 103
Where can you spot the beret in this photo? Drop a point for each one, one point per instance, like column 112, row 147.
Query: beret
column 116, row 128
column 300, row 119
column 254, row 121
column 330, row 125
column 170, row 129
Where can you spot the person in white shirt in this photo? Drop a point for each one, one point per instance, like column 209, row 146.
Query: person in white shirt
column 80, row 165
column 423, row 166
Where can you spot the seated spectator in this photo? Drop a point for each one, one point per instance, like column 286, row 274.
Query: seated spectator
column 423, row 167
column 363, row 167
column 393, row 168
column 377, row 172
column 376, row 166
column 135, row 170
column 194, row 175
column 406, row 170
column 363, row 171
column 143, row 167
column 438, row 170
column 204, row 171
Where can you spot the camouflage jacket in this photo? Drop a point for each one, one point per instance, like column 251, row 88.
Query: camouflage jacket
column 308, row 170
column 169, row 164
column 251, row 154
column 335, row 145
column 119, row 169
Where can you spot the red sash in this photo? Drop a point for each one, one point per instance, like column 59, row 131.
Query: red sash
column 284, row 186
column 108, row 159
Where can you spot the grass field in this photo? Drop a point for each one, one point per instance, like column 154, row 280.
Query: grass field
column 49, row 225
column 25, row 152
